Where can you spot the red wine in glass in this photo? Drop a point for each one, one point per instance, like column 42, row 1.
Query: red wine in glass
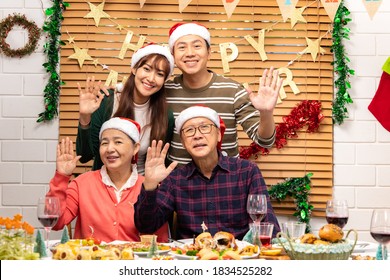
column 257, row 216
column 380, row 228
column 256, row 207
column 265, row 240
column 48, row 212
column 48, row 221
column 381, row 237
column 338, row 221
column 337, row 212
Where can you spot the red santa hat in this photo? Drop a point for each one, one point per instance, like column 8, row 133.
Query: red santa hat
column 182, row 29
column 127, row 126
column 200, row 111
column 153, row 49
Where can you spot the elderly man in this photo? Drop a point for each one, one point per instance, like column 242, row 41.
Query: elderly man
column 211, row 189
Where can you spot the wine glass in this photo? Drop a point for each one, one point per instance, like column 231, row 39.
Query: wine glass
column 337, row 212
column 380, row 228
column 48, row 211
column 256, row 207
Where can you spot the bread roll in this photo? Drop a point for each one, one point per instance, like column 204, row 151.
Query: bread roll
column 331, row 233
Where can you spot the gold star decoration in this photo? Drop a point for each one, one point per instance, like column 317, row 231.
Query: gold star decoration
column 70, row 40
column 120, row 27
column 95, row 62
column 97, row 13
column 81, row 55
column 296, row 15
column 313, row 47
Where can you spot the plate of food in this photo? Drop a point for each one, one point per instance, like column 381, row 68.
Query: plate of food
column 141, row 248
column 74, row 250
column 221, row 246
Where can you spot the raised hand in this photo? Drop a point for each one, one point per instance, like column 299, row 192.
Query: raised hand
column 66, row 159
column 265, row 99
column 90, row 99
column 155, row 170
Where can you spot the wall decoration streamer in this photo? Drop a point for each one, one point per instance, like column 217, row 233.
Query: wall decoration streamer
column 286, row 6
column 331, row 7
column 230, row 6
column 372, row 7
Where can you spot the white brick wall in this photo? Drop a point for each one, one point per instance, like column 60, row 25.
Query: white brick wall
column 361, row 144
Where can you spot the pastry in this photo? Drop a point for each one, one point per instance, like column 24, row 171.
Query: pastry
column 204, row 240
column 321, row 242
column 308, row 238
column 225, row 240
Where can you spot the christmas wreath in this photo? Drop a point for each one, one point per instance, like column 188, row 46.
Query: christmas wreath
column 34, row 33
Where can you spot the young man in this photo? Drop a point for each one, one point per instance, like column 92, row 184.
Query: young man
column 190, row 46
column 211, row 189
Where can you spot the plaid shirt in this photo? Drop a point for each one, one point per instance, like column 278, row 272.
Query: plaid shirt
column 219, row 202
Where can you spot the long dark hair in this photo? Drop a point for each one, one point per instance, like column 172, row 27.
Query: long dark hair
column 157, row 104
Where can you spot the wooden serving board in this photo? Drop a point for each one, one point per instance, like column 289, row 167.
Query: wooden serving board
column 278, row 257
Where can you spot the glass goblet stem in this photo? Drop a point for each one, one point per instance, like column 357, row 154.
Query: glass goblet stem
column 47, row 232
column 383, row 247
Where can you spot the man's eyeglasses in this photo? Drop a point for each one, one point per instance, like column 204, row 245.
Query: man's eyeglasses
column 203, row 128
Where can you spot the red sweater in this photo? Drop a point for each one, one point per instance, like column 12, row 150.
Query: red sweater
column 95, row 204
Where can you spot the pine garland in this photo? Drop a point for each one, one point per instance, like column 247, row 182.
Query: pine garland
column 34, row 33
column 52, row 48
column 340, row 32
column 298, row 189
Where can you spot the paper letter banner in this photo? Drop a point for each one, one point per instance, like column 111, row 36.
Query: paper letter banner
column 331, row 7
column 227, row 58
column 285, row 7
column 230, row 6
column 183, row 4
column 127, row 45
column 372, row 6
column 141, row 3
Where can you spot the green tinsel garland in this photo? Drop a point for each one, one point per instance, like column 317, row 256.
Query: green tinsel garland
column 340, row 32
column 52, row 48
column 298, row 189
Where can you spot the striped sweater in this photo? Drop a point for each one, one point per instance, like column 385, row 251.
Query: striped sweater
column 226, row 96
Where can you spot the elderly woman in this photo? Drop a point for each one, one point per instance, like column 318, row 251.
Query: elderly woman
column 102, row 200
column 212, row 189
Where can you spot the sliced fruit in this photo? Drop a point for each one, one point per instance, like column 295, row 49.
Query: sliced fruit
column 271, row 252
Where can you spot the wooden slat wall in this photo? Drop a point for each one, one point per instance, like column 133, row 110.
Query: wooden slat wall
column 307, row 153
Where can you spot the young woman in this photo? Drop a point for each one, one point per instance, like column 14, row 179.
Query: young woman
column 102, row 200
column 142, row 99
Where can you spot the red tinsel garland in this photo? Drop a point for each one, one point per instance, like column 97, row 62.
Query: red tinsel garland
column 308, row 113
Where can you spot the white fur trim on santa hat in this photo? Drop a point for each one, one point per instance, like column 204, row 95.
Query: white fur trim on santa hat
column 149, row 49
column 188, row 29
column 124, row 125
column 196, row 112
